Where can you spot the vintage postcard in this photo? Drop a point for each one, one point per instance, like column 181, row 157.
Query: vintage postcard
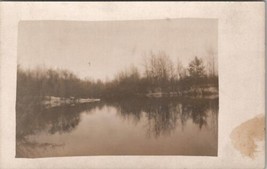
column 86, row 82
column 145, row 87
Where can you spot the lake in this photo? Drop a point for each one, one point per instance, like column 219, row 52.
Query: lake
column 132, row 126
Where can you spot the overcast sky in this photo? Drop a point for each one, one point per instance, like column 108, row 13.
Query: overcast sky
column 99, row 50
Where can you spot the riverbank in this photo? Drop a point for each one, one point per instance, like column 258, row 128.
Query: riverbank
column 52, row 101
column 197, row 92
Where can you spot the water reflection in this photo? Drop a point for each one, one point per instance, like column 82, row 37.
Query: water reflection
column 164, row 115
column 161, row 117
column 34, row 118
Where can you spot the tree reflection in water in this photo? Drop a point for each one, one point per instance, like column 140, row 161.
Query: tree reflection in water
column 32, row 118
column 162, row 116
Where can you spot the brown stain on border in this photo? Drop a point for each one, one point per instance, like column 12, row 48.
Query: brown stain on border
column 245, row 135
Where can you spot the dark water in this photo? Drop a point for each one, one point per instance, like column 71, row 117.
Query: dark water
column 135, row 126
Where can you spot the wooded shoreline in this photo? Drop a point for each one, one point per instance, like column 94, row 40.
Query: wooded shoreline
column 52, row 101
column 160, row 79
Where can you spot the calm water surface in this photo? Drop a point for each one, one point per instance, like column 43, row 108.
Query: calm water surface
column 123, row 127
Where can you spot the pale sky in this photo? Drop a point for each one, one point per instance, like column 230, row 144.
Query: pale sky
column 111, row 46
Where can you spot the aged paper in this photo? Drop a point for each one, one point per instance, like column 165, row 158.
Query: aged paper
column 239, row 46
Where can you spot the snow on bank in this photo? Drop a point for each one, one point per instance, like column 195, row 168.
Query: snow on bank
column 52, row 101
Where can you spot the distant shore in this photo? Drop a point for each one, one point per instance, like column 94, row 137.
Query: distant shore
column 204, row 92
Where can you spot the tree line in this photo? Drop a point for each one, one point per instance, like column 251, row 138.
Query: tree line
column 160, row 74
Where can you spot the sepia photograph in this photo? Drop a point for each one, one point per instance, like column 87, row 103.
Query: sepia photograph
column 129, row 87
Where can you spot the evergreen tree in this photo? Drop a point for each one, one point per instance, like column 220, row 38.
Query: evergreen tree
column 196, row 68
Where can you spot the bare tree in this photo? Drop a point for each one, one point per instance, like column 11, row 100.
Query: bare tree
column 211, row 62
column 159, row 69
column 181, row 71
